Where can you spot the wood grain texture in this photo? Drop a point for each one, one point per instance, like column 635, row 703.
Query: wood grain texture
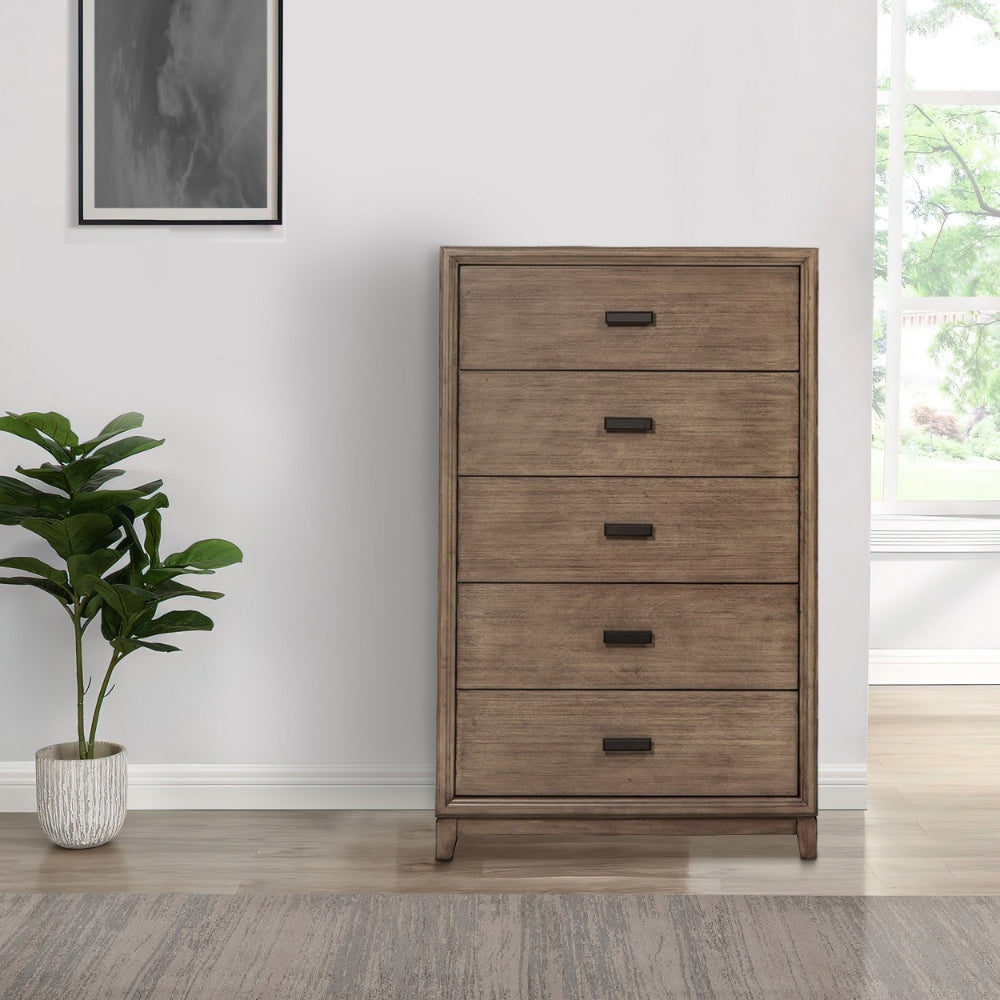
column 621, row 807
column 553, row 317
column 447, row 529
column 551, row 636
column 550, row 529
column 805, row 830
column 446, row 836
column 704, row 424
column 808, row 527
column 551, row 743
column 614, row 256
column 673, row 827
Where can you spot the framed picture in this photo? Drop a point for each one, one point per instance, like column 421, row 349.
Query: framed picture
column 180, row 111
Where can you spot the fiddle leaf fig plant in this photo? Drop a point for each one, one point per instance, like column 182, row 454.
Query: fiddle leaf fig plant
column 106, row 542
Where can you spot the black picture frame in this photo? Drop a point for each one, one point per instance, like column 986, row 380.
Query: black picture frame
column 180, row 112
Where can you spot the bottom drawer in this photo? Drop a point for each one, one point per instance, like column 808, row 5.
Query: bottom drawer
column 703, row 743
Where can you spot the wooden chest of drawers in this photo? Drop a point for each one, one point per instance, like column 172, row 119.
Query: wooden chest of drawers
column 627, row 603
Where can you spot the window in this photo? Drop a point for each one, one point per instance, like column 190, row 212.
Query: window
column 936, row 325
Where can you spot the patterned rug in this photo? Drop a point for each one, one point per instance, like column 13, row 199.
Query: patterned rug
column 492, row 947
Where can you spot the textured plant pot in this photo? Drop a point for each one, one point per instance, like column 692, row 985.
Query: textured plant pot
column 81, row 803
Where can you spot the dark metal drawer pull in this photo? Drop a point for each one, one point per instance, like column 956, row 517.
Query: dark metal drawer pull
column 628, row 530
column 628, row 424
column 628, row 637
column 629, row 317
column 627, row 744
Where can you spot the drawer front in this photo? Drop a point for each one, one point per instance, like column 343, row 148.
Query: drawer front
column 628, row 424
column 554, row 317
column 550, row 530
column 579, row 635
column 552, row 743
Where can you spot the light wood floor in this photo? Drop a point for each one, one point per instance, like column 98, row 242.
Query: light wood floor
column 932, row 827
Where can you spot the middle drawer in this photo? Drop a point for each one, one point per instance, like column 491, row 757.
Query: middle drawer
column 628, row 423
column 549, row 529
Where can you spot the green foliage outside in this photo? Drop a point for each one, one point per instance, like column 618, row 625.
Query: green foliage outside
column 969, row 355
column 917, row 443
column 952, row 170
column 939, row 15
column 984, row 440
column 952, row 163
column 105, row 545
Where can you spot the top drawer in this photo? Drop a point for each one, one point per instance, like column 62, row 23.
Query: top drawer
column 708, row 318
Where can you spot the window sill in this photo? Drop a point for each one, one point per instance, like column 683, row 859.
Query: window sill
column 935, row 534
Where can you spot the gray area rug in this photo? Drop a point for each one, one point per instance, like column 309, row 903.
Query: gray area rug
column 479, row 947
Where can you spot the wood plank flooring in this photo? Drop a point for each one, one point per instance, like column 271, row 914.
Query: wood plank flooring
column 932, row 827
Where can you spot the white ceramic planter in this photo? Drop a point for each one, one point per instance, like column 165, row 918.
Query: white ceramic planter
column 81, row 803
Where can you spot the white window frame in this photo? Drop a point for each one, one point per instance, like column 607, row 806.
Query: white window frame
column 894, row 303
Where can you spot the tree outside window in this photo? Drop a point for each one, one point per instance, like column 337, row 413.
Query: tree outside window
column 936, row 329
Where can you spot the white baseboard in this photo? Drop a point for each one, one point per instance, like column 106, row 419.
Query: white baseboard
column 934, row 666
column 320, row 786
column 843, row 786
column 250, row 786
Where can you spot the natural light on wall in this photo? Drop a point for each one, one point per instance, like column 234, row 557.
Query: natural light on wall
column 936, row 331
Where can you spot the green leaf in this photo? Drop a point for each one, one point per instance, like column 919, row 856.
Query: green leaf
column 169, row 589
column 126, row 601
column 17, row 487
column 176, row 621
column 111, row 622
column 117, row 451
column 13, row 424
column 75, row 535
column 125, row 422
column 52, row 425
column 90, row 564
column 123, row 575
column 39, row 568
column 154, row 531
column 159, row 647
column 208, row 554
column 124, row 518
column 103, row 501
column 98, row 479
column 80, row 472
column 141, row 508
column 63, row 595
column 51, row 475
column 148, row 488
column 93, row 605
column 155, row 575
column 11, row 513
column 19, row 500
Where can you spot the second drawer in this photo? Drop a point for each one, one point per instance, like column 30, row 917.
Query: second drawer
column 580, row 635
column 628, row 423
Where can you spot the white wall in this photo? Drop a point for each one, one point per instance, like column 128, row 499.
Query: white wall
column 935, row 601
column 933, row 617
column 293, row 372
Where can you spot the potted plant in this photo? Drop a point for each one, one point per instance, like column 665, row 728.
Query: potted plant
column 107, row 568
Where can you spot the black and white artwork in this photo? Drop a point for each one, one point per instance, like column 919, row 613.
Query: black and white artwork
column 180, row 104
